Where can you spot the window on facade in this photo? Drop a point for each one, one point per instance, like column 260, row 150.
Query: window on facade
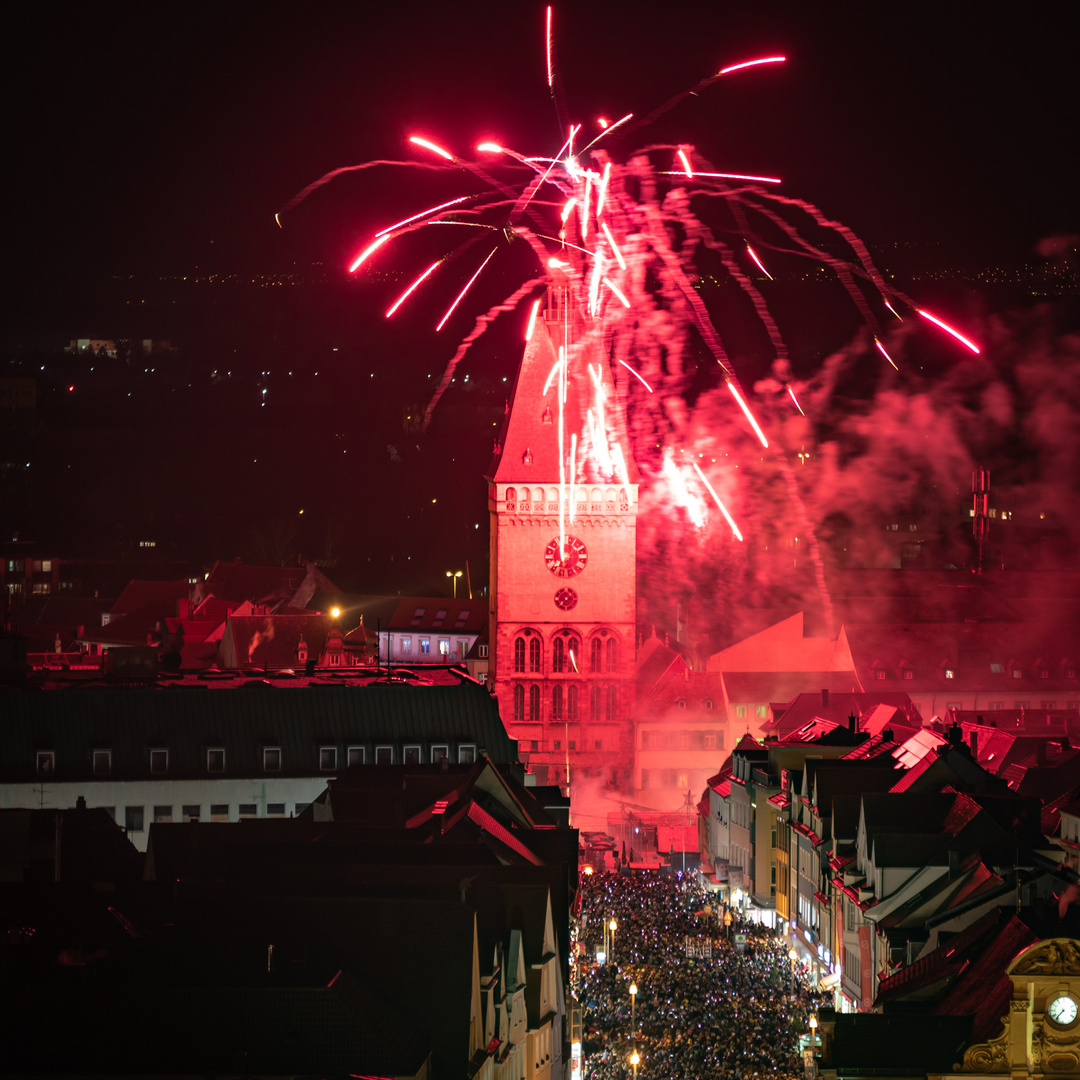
column 1044, row 673
column 558, row 655
column 1047, row 704
column 710, row 740
column 598, row 744
column 761, row 711
column 572, row 744
column 534, row 703
column 46, row 762
column 682, row 740
column 444, row 647
column 159, row 762
column 299, row 808
column 611, row 654
column 219, row 811
column 133, row 819
column 102, row 762
column 908, row 673
column 534, row 654
column 190, row 812
column 611, row 703
column 271, row 759
column 879, row 674
column 596, row 652
column 519, row 703
column 1021, row 704
column 384, row 755
column 740, row 711
column 406, row 644
column 276, row 809
column 596, row 701
column 438, row 752
column 997, row 669
column 950, row 673
column 466, row 754
column 248, row 810
column 519, row 654
column 571, row 702
column 410, row 755
column 483, row 652
column 215, row 759
column 993, row 706
column 425, row 646
column 327, row 758
column 556, row 703
column 1017, row 673
column 354, row 755
column 462, row 648
column 163, row 813
column 558, row 744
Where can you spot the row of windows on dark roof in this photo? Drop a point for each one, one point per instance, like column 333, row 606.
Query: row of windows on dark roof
column 1015, row 670
column 135, row 816
column 327, row 757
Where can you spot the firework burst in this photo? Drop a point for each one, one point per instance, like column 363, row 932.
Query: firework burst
column 623, row 239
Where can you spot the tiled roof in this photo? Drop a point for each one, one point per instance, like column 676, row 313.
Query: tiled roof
column 158, row 595
column 764, row 686
column 439, row 615
column 272, row 585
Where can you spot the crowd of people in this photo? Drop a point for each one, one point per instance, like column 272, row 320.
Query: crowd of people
column 710, row 1011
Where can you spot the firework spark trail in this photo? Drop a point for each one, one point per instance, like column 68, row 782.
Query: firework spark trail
column 481, row 324
column 716, row 498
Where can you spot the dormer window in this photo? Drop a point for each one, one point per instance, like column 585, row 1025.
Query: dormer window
column 879, row 674
column 909, row 673
column 950, row 673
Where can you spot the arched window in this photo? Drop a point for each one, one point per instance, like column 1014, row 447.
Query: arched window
column 596, row 653
column 558, row 655
column 610, row 648
column 519, row 703
column 534, row 703
column 556, row 702
column 573, row 654
column 534, row 655
column 511, row 499
column 611, row 703
column 519, row 654
column 596, row 700
column 526, row 503
column 571, row 702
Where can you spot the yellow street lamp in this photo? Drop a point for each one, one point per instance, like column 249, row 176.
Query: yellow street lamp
column 453, row 575
column 793, row 956
column 613, row 926
column 335, row 612
column 634, row 1059
column 813, row 1033
column 633, row 1000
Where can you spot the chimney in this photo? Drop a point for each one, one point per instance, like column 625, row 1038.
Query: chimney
column 824, row 698
column 974, row 738
column 80, row 803
column 852, row 722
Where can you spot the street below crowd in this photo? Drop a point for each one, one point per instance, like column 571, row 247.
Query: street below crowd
column 703, row 1009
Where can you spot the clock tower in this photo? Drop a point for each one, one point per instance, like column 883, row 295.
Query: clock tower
column 562, row 498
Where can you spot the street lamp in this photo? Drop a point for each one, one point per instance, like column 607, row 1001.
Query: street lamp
column 633, row 999
column 453, row 575
column 634, row 1059
column 793, row 956
column 613, row 926
column 813, row 1040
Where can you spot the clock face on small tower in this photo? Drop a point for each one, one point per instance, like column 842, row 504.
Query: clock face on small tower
column 1062, row 1010
column 567, row 560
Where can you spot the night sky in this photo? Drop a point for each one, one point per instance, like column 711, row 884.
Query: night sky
column 159, row 140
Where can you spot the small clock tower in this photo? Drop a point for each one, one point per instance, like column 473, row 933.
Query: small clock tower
column 562, row 497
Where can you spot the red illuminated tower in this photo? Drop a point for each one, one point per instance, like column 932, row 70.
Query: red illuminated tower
column 562, row 496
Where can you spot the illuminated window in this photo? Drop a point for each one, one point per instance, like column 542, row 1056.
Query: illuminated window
column 483, row 652
column 761, row 711
column 949, row 673
column 997, row 669
column 46, row 763
column 102, row 762
column 406, row 644
column 425, row 646
column 444, row 647
column 740, row 712
column 215, row 759
column 327, row 758
column 271, row 759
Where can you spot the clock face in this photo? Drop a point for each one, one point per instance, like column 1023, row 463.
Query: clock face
column 568, row 561
column 565, row 599
column 1062, row 1010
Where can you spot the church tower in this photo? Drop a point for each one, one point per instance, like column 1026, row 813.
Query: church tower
column 562, row 498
